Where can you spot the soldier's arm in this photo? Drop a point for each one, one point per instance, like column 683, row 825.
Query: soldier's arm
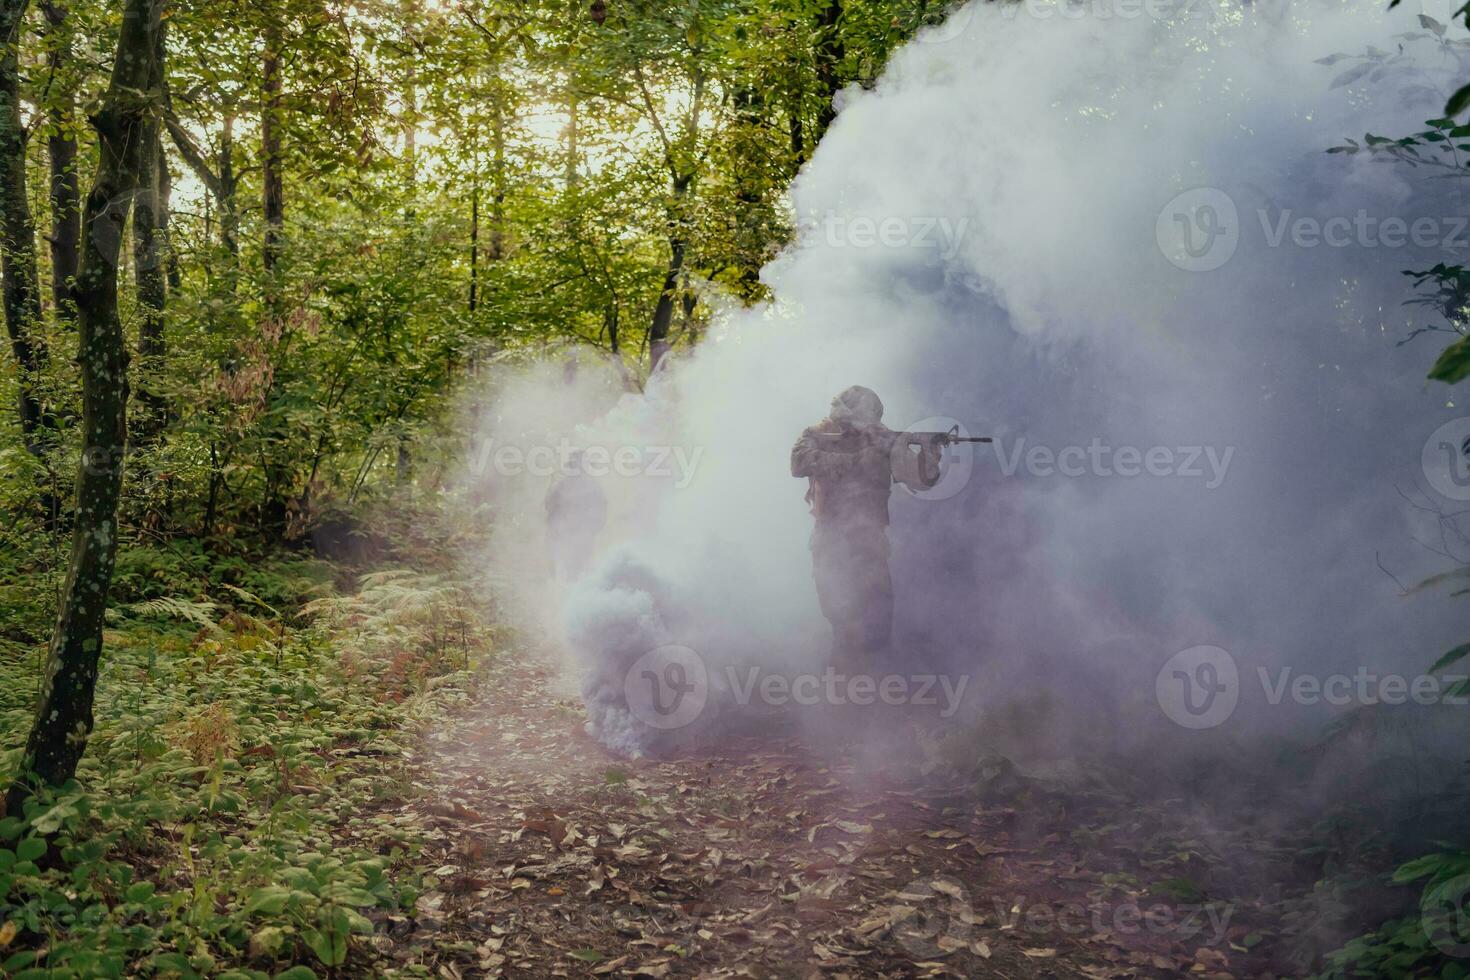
column 810, row 457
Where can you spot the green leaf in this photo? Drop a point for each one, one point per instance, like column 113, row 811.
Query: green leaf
column 30, row 849
column 329, row 946
column 1455, row 655
column 50, row 821
column 587, row 955
column 140, row 891
column 1453, row 364
column 297, row 973
column 1458, row 101
column 1352, row 75
column 176, row 964
column 270, row 900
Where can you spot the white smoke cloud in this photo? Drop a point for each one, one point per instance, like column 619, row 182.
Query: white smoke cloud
column 1020, row 164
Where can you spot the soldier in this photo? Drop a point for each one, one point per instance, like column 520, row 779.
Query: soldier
column 576, row 512
column 848, row 460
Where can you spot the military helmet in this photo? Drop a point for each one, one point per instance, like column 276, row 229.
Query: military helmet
column 858, row 404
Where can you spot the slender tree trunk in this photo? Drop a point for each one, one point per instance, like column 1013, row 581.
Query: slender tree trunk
column 830, row 52
column 475, row 239
column 220, row 180
column 22, row 291
column 175, row 273
column 63, row 719
column 496, row 250
column 663, row 313
column 229, row 212
column 403, row 468
column 273, row 511
column 749, row 168
column 148, row 259
column 574, row 152
column 148, row 277
column 273, row 194
column 66, row 194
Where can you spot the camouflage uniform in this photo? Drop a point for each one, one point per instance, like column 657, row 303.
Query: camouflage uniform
column 576, row 511
column 847, row 460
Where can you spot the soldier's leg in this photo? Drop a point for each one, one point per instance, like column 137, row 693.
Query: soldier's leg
column 838, row 593
column 873, row 590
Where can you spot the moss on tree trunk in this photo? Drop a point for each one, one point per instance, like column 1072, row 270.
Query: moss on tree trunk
column 63, row 720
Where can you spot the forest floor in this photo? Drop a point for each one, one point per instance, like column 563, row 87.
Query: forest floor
column 781, row 856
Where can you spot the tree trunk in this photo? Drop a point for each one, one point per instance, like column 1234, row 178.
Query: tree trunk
column 175, row 273
column 749, row 171
column 496, row 250
column 66, row 194
column 663, row 313
column 148, row 277
column 830, row 52
column 475, row 239
column 273, row 194
column 63, row 719
column 148, row 270
column 229, row 212
column 220, row 180
column 22, row 292
column 573, row 172
column 273, row 511
column 795, row 134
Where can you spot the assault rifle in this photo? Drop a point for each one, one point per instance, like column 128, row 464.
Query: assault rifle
column 938, row 440
column 916, row 455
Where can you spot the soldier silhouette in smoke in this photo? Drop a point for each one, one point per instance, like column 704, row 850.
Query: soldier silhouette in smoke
column 576, row 512
column 851, row 460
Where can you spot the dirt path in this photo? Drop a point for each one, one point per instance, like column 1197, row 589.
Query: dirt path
column 767, row 858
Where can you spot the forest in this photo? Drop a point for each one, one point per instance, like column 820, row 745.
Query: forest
column 310, row 670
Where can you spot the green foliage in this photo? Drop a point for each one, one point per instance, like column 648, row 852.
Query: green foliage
column 1421, row 945
column 237, row 805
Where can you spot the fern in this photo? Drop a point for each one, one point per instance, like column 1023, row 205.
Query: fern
column 200, row 612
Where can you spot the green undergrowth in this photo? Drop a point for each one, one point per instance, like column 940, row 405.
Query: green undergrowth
column 239, row 812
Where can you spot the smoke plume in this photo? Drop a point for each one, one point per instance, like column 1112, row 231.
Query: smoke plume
column 995, row 234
